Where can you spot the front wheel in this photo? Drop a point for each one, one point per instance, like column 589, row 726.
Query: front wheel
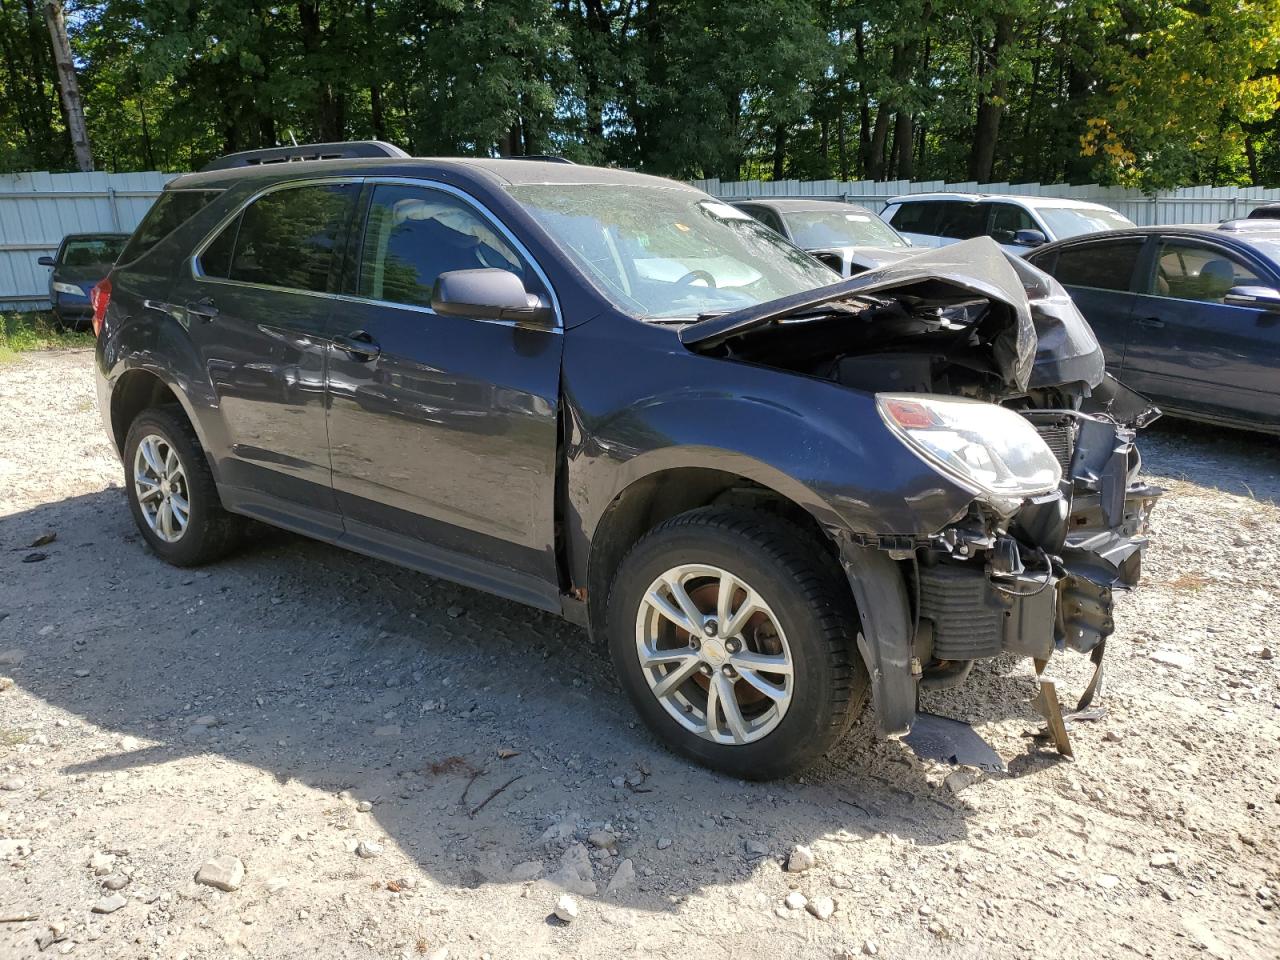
column 733, row 637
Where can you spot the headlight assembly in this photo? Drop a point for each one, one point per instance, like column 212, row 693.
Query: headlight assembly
column 985, row 448
column 68, row 288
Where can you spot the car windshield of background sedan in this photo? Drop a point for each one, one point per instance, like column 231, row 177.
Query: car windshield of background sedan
column 1074, row 221
column 823, row 228
column 663, row 253
column 92, row 252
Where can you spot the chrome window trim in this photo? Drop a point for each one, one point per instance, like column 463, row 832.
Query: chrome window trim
column 198, row 274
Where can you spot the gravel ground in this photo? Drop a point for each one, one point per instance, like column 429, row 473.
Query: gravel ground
column 335, row 726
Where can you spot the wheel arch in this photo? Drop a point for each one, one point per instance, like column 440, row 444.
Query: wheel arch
column 671, row 489
column 139, row 389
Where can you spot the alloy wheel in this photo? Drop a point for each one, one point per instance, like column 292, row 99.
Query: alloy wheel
column 714, row 654
column 160, row 486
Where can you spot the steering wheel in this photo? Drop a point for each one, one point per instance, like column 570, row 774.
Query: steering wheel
column 693, row 275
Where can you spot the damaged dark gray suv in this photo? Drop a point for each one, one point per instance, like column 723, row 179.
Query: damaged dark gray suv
column 772, row 493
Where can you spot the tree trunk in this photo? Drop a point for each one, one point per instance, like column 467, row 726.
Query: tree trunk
column 779, row 149
column 986, row 128
column 879, row 137
column 76, row 129
column 1251, row 154
column 904, row 145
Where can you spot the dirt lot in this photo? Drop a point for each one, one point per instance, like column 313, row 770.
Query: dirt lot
column 296, row 701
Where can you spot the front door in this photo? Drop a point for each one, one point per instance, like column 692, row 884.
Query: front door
column 257, row 307
column 1191, row 352
column 443, row 429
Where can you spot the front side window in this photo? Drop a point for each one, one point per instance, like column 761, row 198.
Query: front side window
column 669, row 252
column 286, row 238
column 1007, row 219
column 414, row 234
column 1189, row 271
column 854, row 227
column 1106, row 266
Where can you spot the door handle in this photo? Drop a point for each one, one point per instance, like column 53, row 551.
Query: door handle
column 204, row 309
column 1154, row 323
column 359, row 344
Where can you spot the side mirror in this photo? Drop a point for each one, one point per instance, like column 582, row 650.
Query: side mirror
column 1029, row 238
column 1259, row 298
column 489, row 294
column 47, row 261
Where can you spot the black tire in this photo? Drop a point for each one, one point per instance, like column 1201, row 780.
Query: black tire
column 211, row 533
column 811, row 601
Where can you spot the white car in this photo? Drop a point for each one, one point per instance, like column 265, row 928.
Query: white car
column 1018, row 223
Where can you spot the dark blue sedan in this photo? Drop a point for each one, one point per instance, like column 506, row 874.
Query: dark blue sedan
column 1189, row 315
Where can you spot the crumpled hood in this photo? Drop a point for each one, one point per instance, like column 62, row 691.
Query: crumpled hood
column 1033, row 306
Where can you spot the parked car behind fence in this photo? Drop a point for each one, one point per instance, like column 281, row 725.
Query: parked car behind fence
column 81, row 261
column 1189, row 316
column 846, row 237
column 1018, row 223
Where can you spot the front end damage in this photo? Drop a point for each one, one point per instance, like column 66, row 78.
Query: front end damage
column 1014, row 572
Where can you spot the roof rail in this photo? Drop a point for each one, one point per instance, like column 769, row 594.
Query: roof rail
column 540, row 157
column 350, row 150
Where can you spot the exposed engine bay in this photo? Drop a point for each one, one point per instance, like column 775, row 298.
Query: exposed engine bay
column 1021, row 574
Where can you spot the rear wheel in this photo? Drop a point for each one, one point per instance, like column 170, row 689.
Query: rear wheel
column 172, row 495
column 734, row 639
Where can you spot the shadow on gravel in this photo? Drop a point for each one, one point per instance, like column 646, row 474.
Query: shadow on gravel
column 1233, row 461
column 343, row 673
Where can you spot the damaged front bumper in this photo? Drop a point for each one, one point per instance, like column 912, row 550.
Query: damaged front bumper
column 1030, row 583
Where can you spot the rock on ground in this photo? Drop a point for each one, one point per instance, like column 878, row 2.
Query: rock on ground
column 224, row 873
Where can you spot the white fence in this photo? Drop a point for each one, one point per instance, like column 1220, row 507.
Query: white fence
column 1185, row 205
column 38, row 209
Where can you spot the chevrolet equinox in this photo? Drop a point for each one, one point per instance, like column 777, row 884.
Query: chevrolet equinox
column 772, row 493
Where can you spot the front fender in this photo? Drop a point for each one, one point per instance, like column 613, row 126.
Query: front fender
column 819, row 444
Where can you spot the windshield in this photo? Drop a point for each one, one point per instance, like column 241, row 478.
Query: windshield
column 92, row 252
column 1072, row 221
column 664, row 252
column 854, row 227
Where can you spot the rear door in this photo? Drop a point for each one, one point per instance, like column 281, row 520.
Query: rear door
column 918, row 221
column 258, row 305
column 1191, row 352
column 1101, row 276
column 443, row 429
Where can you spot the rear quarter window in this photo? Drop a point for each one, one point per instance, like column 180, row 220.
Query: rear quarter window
column 171, row 210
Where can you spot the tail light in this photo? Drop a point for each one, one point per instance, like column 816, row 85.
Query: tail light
column 99, row 299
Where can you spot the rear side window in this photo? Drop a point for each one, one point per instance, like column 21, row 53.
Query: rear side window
column 1105, row 266
column 918, row 217
column 414, row 234
column 286, row 238
column 171, row 210
column 962, row 221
